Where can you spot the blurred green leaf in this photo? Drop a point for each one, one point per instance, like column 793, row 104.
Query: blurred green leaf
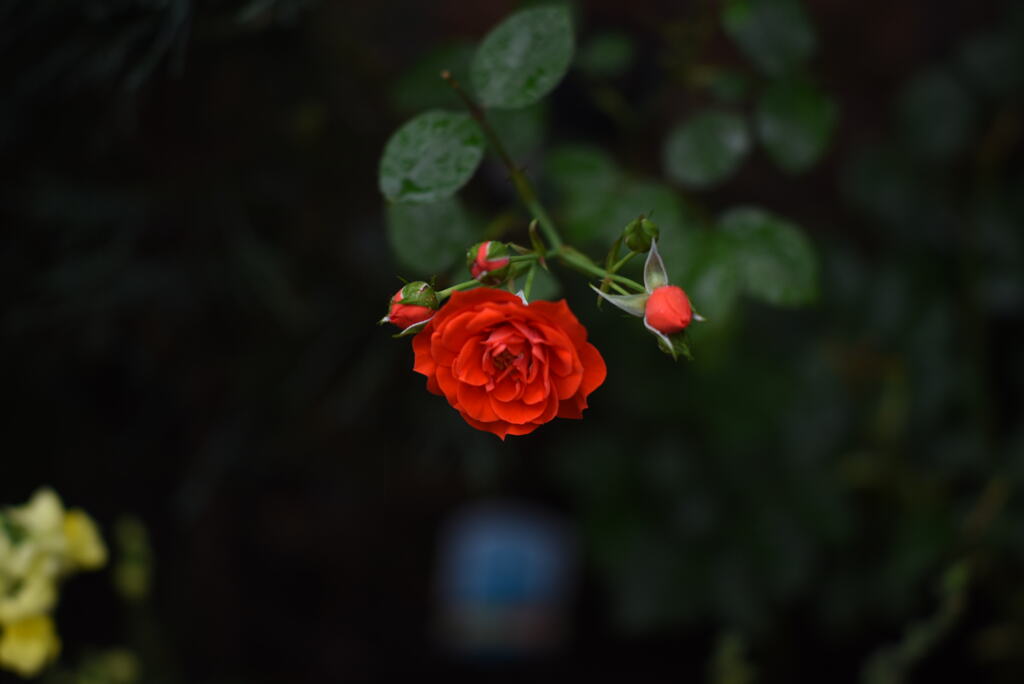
column 545, row 285
column 584, row 176
column 936, row 115
column 993, row 60
column 635, row 197
column 773, row 259
column 523, row 58
column 520, row 130
column 707, row 149
column 730, row 87
column 795, row 121
column 606, row 55
column 430, row 157
column 428, row 238
column 701, row 262
column 421, row 87
column 775, row 35
column 581, row 169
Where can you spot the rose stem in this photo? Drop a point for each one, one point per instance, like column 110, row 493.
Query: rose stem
column 566, row 254
column 519, row 179
column 529, row 281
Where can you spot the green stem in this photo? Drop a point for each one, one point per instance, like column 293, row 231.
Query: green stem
column 458, row 287
column 581, row 262
column 519, row 179
column 529, row 281
column 623, row 261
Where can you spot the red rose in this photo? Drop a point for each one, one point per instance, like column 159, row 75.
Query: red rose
column 668, row 309
column 506, row 366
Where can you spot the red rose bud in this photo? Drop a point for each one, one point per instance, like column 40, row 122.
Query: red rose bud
column 488, row 262
column 639, row 233
column 413, row 304
column 668, row 309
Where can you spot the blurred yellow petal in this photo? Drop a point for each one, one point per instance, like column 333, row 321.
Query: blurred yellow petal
column 43, row 514
column 33, row 595
column 85, row 545
column 28, row 645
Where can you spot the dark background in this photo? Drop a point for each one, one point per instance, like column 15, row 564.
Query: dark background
column 194, row 257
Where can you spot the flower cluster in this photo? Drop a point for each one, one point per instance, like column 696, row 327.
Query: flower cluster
column 508, row 365
column 40, row 545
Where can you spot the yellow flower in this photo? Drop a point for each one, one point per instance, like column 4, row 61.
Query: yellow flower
column 85, row 545
column 28, row 645
column 27, row 596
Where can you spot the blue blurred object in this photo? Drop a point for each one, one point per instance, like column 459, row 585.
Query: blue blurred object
column 505, row 574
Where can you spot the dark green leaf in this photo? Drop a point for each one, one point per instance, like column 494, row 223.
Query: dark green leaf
column 774, row 34
column 993, row 61
column 730, row 87
column 581, row 169
column 701, row 262
column 936, row 115
column 422, row 88
column 429, row 237
column 520, row 130
column 430, row 157
column 523, row 58
column 773, row 259
column 795, row 121
column 606, row 55
column 707, row 149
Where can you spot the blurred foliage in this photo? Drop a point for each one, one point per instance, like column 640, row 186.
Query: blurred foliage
column 193, row 243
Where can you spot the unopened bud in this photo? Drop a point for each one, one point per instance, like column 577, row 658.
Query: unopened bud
column 639, row 233
column 488, row 262
column 668, row 310
column 413, row 304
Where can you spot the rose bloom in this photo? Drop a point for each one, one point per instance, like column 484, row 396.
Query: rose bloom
column 668, row 309
column 506, row 366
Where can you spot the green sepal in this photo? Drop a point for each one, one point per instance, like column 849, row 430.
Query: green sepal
column 413, row 329
column 678, row 345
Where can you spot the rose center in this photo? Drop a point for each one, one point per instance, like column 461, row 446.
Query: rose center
column 502, row 360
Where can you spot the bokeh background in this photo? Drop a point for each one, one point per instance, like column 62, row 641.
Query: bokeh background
column 195, row 253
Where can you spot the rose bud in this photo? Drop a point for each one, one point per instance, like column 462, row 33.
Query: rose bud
column 488, row 262
column 668, row 309
column 414, row 303
column 639, row 233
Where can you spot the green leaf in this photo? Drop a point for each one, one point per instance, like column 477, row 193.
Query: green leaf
column 430, row 157
column 421, row 87
column 936, row 115
column 606, row 55
column 701, row 262
column 523, row 58
column 774, row 34
column 428, row 238
column 774, row 260
column 795, row 121
column 581, row 169
column 707, row 149
column 521, row 130
column 585, row 177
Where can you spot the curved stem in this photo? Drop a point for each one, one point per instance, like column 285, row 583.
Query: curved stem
column 522, row 184
column 581, row 262
column 623, row 261
column 458, row 287
column 529, row 281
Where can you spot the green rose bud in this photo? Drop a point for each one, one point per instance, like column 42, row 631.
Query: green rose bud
column 639, row 233
column 489, row 262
